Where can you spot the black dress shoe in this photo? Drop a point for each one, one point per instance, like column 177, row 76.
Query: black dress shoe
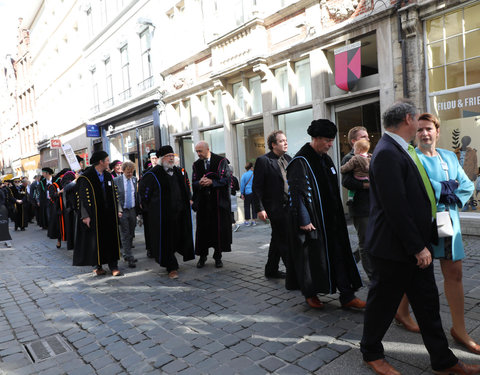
column 149, row 254
column 218, row 263
column 275, row 275
column 131, row 264
column 201, row 262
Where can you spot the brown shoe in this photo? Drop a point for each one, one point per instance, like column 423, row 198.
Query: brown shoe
column 314, row 302
column 472, row 346
column 116, row 273
column 461, row 369
column 409, row 326
column 355, row 303
column 382, row 367
column 99, row 272
column 173, row 274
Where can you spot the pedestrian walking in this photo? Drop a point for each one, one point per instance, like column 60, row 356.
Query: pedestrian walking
column 166, row 195
column 322, row 260
column 211, row 201
column 246, row 193
column 98, row 239
column 270, row 198
column 4, row 232
column 44, row 197
column 126, row 184
column 19, row 192
column 399, row 238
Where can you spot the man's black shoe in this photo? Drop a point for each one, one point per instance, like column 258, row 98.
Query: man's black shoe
column 149, row 254
column 218, row 263
column 131, row 264
column 201, row 262
column 275, row 275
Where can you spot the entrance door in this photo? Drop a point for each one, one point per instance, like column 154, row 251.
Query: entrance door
column 187, row 154
column 364, row 113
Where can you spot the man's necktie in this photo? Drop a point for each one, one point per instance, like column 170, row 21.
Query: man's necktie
column 207, row 164
column 425, row 179
column 128, row 198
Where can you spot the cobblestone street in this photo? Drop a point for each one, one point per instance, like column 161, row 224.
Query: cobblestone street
column 209, row 321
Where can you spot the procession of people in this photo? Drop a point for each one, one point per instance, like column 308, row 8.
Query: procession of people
column 395, row 194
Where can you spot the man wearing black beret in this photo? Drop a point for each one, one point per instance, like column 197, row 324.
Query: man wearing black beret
column 98, row 239
column 322, row 258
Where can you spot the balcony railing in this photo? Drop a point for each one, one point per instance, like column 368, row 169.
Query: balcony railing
column 95, row 109
column 108, row 103
column 146, row 84
column 124, row 95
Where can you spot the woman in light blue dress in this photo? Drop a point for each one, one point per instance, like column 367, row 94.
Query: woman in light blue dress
column 452, row 190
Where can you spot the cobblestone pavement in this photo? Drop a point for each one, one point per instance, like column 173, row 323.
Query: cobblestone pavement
column 209, row 321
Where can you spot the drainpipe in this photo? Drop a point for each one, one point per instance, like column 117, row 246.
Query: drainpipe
column 401, row 40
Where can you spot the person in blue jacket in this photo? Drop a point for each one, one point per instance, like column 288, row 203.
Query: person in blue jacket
column 246, row 192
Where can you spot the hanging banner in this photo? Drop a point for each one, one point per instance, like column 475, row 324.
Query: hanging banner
column 348, row 66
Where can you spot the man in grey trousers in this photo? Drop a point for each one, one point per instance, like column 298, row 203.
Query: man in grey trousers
column 128, row 199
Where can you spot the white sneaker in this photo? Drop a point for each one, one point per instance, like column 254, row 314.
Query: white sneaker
column 254, row 223
column 246, row 224
column 7, row 244
column 236, row 227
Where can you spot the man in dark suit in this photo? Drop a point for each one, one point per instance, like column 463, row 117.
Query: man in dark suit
column 270, row 197
column 127, row 196
column 399, row 239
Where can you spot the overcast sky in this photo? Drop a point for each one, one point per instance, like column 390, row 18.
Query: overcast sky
column 10, row 11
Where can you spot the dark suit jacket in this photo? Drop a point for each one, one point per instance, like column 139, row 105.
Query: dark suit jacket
column 268, row 192
column 400, row 222
column 119, row 181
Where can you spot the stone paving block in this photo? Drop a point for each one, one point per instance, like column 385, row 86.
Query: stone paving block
column 272, row 347
column 213, row 347
column 310, row 363
column 195, row 357
column 271, row 364
column 112, row 369
column 162, row 360
column 291, row 370
column 102, row 362
column 175, row 366
column 225, row 355
column 93, row 356
column 207, row 365
column 325, row 354
column 230, row 340
column 131, row 360
column 82, row 370
column 289, row 354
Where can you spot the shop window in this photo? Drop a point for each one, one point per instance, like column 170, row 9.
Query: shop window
column 294, row 125
column 250, row 142
column 216, row 140
column 116, row 149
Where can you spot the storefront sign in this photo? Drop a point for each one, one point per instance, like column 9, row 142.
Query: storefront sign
column 55, row 143
column 93, row 131
column 348, row 67
column 457, row 105
column 71, row 157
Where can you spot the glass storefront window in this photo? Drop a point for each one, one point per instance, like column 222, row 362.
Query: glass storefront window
column 256, row 94
column 215, row 138
column 459, row 109
column 187, row 149
column 303, row 81
column 116, row 150
column 130, row 142
column 146, row 139
column 281, row 88
column 294, row 125
column 250, row 142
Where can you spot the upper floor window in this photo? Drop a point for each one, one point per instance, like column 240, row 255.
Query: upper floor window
column 145, row 45
column 303, row 84
column 453, row 49
column 239, row 100
column 94, row 84
column 109, row 82
column 281, row 90
column 218, row 107
column 125, row 66
column 255, row 91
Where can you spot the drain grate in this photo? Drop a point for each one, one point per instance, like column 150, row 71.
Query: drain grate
column 46, row 348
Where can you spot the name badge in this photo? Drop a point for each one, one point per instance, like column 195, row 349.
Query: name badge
column 333, row 170
column 109, row 183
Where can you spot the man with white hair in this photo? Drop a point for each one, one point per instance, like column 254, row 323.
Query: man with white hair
column 211, row 201
column 165, row 195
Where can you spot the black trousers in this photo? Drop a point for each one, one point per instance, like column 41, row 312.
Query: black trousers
column 278, row 242
column 248, row 207
column 390, row 281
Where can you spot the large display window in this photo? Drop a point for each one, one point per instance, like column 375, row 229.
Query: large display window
column 453, row 71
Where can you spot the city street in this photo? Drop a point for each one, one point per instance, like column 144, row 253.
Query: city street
column 230, row 320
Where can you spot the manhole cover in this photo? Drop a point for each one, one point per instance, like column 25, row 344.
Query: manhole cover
column 46, row 348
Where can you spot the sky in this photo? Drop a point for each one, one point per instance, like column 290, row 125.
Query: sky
column 10, row 11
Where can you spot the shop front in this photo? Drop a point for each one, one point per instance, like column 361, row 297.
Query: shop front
column 31, row 166
column 453, row 89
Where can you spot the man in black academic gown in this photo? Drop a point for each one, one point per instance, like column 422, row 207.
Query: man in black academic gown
column 322, row 258
column 21, row 212
column 43, row 197
column 166, row 195
column 97, row 241
column 211, row 201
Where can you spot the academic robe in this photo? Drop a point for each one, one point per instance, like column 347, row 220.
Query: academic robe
column 4, row 232
column 43, row 203
column 56, row 224
column 313, row 186
column 169, row 218
column 99, row 243
column 70, row 212
column 212, row 205
column 20, row 209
